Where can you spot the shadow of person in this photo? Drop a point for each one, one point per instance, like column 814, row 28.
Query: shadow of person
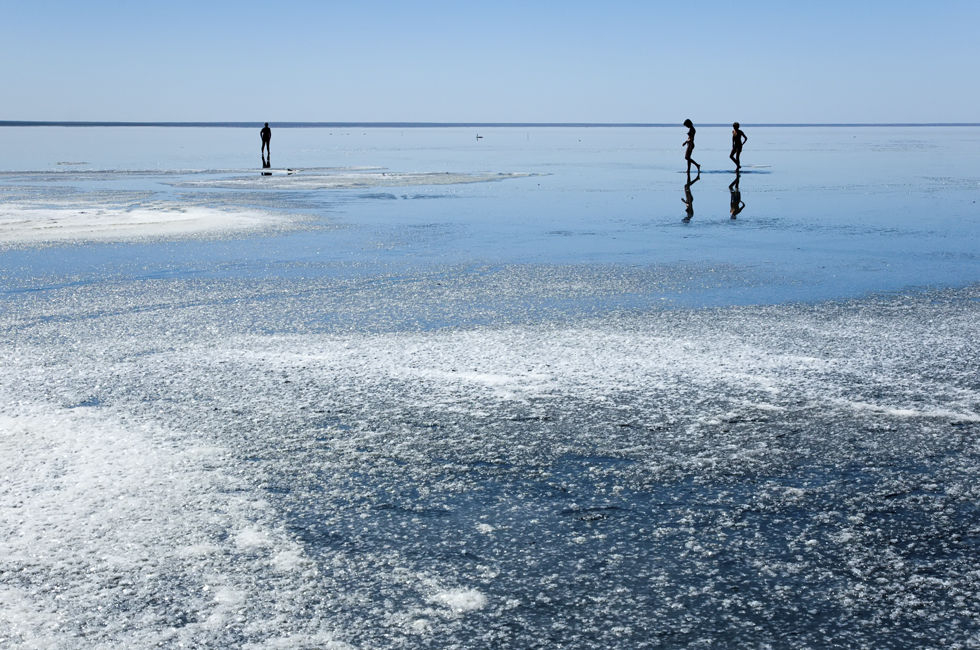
column 688, row 199
column 737, row 205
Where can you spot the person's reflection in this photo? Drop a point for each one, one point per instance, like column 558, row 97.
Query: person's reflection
column 688, row 199
column 737, row 204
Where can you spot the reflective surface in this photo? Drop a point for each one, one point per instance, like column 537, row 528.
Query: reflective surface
column 530, row 410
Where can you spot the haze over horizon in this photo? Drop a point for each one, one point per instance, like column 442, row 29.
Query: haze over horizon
column 759, row 62
column 407, row 124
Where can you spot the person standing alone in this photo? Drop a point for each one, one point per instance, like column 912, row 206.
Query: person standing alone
column 266, row 135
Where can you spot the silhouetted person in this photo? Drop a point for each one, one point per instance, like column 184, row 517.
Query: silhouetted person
column 738, row 139
column 688, row 199
column 689, row 143
column 266, row 135
column 737, row 204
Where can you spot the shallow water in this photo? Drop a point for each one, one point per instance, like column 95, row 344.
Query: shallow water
column 830, row 212
column 521, row 411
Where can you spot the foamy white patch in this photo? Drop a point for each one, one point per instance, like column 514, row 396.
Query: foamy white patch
column 199, row 550
column 291, row 559
column 21, row 618
column 460, row 600
column 420, row 626
column 226, row 604
column 25, row 224
column 252, row 538
column 116, row 519
column 350, row 179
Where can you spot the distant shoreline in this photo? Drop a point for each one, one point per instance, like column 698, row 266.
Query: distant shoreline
column 485, row 125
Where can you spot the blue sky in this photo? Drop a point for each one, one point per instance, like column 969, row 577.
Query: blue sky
column 610, row 61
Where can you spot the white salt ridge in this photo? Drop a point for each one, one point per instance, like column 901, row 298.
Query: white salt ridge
column 516, row 364
column 349, row 179
column 26, row 224
column 898, row 412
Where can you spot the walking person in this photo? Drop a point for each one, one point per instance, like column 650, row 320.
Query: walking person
column 689, row 143
column 738, row 139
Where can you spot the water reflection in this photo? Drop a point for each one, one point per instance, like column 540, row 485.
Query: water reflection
column 737, row 205
column 688, row 199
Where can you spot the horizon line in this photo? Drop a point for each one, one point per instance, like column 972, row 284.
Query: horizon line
column 296, row 124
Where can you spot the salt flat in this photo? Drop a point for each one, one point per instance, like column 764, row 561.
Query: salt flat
column 545, row 411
